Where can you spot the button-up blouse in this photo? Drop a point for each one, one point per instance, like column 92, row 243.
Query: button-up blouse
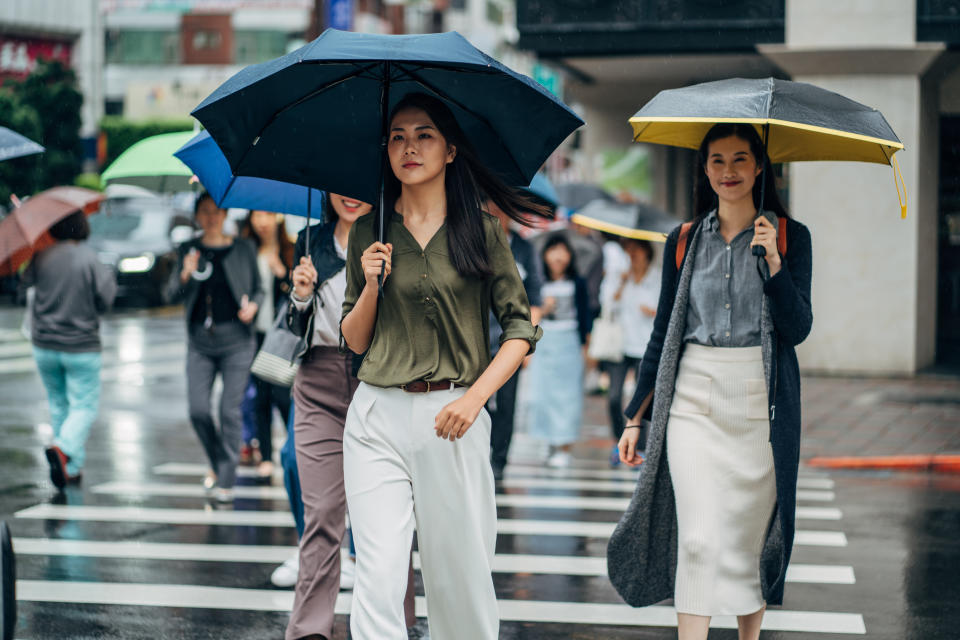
column 726, row 291
column 432, row 323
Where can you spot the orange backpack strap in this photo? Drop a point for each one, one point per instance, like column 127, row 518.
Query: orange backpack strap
column 782, row 236
column 682, row 242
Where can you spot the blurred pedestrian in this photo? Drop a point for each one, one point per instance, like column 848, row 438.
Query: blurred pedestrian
column 634, row 303
column 556, row 373
column 721, row 375
column 275, row 261
column 219, row 282
column 72, row 288
column 417, row 436
column 503, row 406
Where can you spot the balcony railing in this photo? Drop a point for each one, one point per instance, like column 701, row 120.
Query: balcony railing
column 938, row 21
column 623, row 27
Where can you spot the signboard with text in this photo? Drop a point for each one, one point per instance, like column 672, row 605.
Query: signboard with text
column 18, row 56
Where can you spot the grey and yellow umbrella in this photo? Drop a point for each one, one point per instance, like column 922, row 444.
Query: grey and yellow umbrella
column 796, row 120
column 627, row 220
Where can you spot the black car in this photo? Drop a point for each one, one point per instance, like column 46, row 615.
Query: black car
column 137, row 237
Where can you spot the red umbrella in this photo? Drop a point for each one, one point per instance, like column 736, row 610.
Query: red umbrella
column 25, row 231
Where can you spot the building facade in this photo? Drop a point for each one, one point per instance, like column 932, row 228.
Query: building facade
column 886, row 291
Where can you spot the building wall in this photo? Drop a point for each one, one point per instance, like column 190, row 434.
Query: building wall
column 78, row 21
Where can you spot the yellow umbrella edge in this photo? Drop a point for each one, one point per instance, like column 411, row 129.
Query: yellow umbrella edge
column 626, row 232
column 640, row 123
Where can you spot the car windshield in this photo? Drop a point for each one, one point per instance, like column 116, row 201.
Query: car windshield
column 131, row 220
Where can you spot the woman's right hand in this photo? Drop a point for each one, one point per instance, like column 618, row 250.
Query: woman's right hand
column 304, row 278
column 375, row 257
column 190, row 263
column 628, row 445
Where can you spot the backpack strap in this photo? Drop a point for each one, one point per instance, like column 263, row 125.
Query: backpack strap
column 682, row 242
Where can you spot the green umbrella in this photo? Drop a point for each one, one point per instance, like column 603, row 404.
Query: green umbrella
column 150, row 164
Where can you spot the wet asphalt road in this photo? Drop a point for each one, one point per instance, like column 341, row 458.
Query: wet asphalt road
column 895, row 576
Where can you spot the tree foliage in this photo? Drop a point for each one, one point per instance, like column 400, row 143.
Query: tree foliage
column 44, row 107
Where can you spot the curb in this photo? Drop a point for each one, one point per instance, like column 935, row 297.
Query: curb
column 925, row 462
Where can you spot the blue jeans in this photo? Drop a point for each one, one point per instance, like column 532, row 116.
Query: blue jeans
column 291, row 476
column 72, row 381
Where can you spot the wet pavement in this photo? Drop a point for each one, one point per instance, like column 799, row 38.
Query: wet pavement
column 137, row 552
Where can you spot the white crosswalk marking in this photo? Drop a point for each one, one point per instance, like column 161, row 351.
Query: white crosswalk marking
column 226, row 598
column 268, row 554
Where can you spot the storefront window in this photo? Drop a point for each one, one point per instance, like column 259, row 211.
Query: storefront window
column 258, row 46
column 141, row 46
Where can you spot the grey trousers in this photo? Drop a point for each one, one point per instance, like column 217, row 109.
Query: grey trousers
column 229, row 351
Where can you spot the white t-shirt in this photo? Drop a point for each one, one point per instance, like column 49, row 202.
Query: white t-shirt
column 637, row 326
column 328, row 305
column 265, row 316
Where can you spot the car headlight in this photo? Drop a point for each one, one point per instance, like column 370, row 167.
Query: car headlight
column 136, row 264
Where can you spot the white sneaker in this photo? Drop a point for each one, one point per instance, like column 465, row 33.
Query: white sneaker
column 45, row 431
column 559, row 460
column 285, row 576
column 348, row 572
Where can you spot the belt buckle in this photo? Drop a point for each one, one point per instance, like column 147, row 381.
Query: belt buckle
column 428, row 386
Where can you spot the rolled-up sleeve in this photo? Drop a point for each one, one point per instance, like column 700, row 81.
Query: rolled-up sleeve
column 508, row 299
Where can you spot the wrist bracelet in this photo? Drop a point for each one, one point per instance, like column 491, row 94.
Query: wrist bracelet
column 633, row 426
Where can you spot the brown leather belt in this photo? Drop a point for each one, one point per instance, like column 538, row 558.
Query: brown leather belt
column 424, row 386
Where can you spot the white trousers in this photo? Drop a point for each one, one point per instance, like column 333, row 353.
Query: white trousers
column 399, row 474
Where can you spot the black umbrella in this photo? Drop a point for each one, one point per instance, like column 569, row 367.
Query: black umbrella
column 318, row 116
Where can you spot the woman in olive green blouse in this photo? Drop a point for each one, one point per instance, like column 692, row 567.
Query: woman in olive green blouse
column 417, row 436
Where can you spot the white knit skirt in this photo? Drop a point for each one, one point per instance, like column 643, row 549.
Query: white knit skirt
column 721, row 466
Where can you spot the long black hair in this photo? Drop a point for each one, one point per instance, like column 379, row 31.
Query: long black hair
column 73, row 227
column 555, row 239
column 467, row 183
column 705, row 198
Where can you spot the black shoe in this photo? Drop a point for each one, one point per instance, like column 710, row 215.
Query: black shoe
column 58, row 466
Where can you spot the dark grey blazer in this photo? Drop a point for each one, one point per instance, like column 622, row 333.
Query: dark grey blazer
column 239, row 265
column 642, row 552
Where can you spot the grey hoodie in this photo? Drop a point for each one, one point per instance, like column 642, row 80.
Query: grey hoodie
column 72, row 288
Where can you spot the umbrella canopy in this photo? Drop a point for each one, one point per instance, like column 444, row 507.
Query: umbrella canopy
column 14, row 145
column 542, row 190
column 575, row 195
column 805, row 122
column 207, row 161
column 24, row 232
column 318, row 115
column 150, row 164
column 629, row 220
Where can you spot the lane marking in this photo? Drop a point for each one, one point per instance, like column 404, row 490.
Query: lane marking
column 271, row 554
column 155, row 515
column 230, row 598
column 529, row 501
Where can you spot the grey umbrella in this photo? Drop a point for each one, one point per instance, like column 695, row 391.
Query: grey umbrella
column 14, row 145
column 629, row 220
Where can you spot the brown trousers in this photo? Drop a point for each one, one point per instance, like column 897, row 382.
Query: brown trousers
column 321, row 394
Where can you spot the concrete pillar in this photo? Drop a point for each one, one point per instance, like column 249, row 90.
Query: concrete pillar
column 874, row 275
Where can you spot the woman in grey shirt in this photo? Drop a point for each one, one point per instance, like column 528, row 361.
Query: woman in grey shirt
column 722, row 354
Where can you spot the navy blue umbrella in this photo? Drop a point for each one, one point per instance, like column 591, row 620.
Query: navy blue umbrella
column 14, row 145
column 318, row 116
column 207, row 161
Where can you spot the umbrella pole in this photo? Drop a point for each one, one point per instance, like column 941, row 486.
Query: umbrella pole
column 759, row 251
column 384, row 126
column 306, row 236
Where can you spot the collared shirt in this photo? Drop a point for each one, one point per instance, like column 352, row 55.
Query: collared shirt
column 327, row 305
column 432, row 323
column 726, row 291
column 529, row 269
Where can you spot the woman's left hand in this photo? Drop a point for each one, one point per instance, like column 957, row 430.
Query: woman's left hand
column 456, row 418
column 765, row 235
column 248, row 310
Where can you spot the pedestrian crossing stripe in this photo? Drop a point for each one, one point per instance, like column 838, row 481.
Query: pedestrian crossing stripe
column 590, row 566
column 509, row 526
column 530, row 501
column 568, row 479
column 576, row 613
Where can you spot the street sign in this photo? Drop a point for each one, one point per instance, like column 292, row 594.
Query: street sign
column 340, row 14
column 550, row 79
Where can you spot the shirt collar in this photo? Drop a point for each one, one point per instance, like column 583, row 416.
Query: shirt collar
column 712, row 220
